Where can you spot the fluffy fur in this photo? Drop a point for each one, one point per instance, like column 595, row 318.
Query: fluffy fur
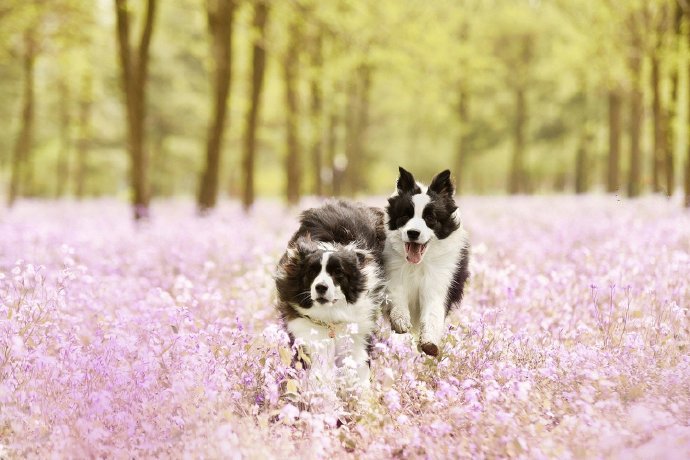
column 329, row 284
column 426, row 257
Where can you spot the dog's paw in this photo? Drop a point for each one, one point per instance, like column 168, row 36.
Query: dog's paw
column 430, row 348
column 400, row 321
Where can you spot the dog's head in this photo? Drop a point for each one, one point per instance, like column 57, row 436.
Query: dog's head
column 323, row 275
column 422, row 214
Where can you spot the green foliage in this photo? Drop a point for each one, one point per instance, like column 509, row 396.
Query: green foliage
column 565, row 53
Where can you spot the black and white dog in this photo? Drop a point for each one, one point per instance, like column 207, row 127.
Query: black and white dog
column 426, row 257
column 330, row 284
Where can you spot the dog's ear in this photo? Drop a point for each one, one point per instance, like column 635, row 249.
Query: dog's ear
column 292, row 253
column 442, row 183
column 406, row 182
column 300, row 248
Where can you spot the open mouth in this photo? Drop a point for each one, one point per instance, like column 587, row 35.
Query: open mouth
column 414, row 252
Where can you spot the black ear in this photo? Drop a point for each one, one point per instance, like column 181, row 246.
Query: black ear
column 441, row 183
column 300, row 248
column 406, row 182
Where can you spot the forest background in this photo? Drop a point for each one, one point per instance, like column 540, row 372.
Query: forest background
column 257, row 98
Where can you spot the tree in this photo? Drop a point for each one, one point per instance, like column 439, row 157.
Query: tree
column 84, row 133
column 336, row 176
column 21, row 163
column 64, row 122
column 636, row 114
column 672, row 108
column 614, row 123
column 316, row 109
column 134, row 63
column 220, row 15
column 293, row 164
column 261, row 11
column 659, row 113
column 462, row 109
column 687, row 154
column 517, row 179
column 582, row 162
column 356, row 127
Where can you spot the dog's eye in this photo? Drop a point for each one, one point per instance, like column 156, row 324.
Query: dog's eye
column 400, row 221
column 429, row 214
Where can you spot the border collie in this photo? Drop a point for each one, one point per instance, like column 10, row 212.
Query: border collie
column 330, row 285
column 426, row 257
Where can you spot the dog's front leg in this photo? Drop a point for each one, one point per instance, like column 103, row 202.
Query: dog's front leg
column 361, row 358
column 400, row 310
column 432, row 320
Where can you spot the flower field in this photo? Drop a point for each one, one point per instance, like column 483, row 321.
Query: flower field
column 161, row 340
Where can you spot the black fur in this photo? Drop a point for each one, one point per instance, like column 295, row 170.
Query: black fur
column 406, row 182
column 441, row 184
column 344, row 222
column 300, row 269
column 438, row 214
column 400, row 209
column 462, row 273
column 340, row 223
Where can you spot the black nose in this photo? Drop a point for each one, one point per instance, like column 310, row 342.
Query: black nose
column 321, row 288
column 412, row 234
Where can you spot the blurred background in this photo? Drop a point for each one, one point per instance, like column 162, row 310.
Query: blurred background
column 143, row 99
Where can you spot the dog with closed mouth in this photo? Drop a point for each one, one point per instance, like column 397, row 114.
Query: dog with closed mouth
column 426, row 257
column 330, row 284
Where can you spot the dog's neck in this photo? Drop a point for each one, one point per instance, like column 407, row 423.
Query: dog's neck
column 331, row 326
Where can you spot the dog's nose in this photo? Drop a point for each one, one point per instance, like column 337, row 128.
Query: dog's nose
column 413, row 234
column 321, row 288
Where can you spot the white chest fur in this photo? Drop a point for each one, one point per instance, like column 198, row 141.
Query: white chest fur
column 418, row 292
column 338, row 340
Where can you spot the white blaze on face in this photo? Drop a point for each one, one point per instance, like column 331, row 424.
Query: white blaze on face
column 323, row 279
column 415, row 248
column 417, row 223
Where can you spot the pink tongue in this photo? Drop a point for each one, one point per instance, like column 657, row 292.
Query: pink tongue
column 413, row 252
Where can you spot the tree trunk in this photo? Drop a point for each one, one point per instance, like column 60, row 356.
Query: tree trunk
column 84, row 139
column 463, row 115
column 672, row 109
column 687, row 133
column 582, row 166
column 22, row 148
column 363, row 127
column 517, row 181
column 357, row 124
column 316, row 113
column 65, row 123
column 351, row 138
column 636, row 114
column 687, row 179
column 220, row 15
column 290, row 68
column 257, row 83
column 461, row 154
column 613, row 170
column 336, row 173
column 134, row 74
column 658, row 113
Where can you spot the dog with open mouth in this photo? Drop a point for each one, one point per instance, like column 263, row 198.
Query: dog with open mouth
column 330, row 285
column 426, row 257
